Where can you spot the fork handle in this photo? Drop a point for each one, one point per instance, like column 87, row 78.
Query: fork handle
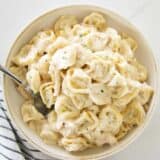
column 11, row 75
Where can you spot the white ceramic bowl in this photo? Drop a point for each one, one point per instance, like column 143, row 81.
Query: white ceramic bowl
column 14, row 100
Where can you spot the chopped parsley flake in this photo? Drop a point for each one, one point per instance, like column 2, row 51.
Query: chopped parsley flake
column 63, row 57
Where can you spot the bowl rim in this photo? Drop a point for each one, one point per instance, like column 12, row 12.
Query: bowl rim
column 139, row 130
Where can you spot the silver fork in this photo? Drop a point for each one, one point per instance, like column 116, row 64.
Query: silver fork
column 38, row 103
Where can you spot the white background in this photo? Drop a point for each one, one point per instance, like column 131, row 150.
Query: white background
column 145, row 14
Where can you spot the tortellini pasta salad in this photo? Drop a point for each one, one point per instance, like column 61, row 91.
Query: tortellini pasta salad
column 88, row 76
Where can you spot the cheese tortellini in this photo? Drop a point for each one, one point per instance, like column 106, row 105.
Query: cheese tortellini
column 88, row 78
column 47, row 94
column 34, row 79
column 97, row 20
column 64, row 25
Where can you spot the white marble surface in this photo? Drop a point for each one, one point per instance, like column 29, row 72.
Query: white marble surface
column 15, row 14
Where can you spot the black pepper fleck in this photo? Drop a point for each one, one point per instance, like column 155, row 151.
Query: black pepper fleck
column 102, row 90
column 44, row 52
